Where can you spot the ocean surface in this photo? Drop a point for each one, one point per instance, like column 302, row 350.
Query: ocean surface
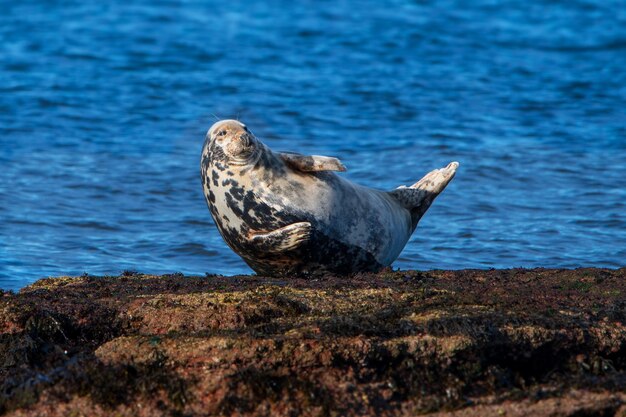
column 104, row 107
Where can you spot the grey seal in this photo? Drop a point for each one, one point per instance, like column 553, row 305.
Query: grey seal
column 286, row 213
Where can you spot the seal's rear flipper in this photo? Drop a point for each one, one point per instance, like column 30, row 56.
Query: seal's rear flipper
column 311, row 163
column 418, row 197
column 283, row 239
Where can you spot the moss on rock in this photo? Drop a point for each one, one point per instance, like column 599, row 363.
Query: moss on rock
column 467, row 343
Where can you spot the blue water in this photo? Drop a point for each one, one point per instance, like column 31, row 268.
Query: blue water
column 104, row 107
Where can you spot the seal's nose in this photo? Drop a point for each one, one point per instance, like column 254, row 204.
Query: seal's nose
column 245, row 139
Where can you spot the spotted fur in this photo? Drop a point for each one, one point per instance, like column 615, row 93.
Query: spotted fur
column 288, row 216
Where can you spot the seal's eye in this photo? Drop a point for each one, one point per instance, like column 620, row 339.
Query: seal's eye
column 221, row 133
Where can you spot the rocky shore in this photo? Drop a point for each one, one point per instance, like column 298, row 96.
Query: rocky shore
column 468, row 343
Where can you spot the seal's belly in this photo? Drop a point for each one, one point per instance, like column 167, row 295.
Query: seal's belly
column 353, row 228
column 368, row 219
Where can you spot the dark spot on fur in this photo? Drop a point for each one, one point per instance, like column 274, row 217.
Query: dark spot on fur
column 237, row 192
column 229, row 181
column 205, row 161
column 249, row 201
column 232, row 204
column 215, row 177
column 263, row 216
column 213, row 210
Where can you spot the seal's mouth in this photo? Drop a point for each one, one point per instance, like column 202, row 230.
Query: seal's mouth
column 246, row 158
column 245, row 150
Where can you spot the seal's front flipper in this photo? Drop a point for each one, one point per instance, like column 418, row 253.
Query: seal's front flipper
column 418, row 197
column 311, row 163
column 283, row 239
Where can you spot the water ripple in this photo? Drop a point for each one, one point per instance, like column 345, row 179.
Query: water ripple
column 104, row 108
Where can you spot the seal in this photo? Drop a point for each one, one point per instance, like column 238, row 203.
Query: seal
column 286, row 213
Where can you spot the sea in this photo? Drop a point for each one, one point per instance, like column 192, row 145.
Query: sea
column 104, row 107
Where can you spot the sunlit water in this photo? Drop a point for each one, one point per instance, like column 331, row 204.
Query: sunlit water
column 104, row 107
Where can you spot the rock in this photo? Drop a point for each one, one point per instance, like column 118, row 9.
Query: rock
column 456, row 343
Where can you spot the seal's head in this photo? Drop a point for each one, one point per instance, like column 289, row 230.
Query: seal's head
column 234, row 140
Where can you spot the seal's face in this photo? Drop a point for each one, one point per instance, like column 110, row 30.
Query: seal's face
column 234, row 141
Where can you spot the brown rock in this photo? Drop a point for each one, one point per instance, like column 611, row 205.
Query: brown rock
column 455, row 343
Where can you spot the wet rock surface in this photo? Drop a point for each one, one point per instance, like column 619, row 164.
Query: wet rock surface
column 467, row 343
